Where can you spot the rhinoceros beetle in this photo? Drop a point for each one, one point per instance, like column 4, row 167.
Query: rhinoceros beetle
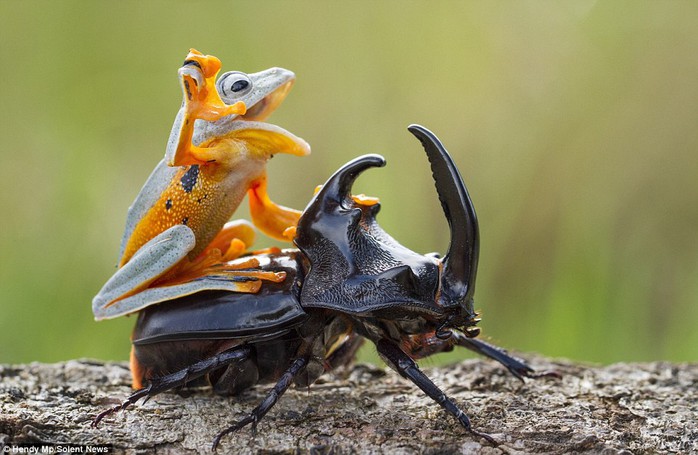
column 348, row 280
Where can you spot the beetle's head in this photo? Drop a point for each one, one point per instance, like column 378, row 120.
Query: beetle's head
column 356, row 267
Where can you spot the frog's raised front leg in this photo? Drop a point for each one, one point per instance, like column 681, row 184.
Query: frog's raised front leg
column 201, row 101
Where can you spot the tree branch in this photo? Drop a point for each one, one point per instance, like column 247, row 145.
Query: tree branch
column 648, row 407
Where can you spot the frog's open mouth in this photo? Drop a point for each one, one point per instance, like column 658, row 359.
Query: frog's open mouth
column 264, row 107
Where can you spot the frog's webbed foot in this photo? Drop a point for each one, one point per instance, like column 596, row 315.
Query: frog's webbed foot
column 233, row 240
column 221, row 260
column 153, row 274
column 122, row 293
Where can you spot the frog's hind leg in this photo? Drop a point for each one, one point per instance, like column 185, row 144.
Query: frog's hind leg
column 151, row 261
column 221, row 259
column 233, row 240
column 243, row 281
column 157, row 273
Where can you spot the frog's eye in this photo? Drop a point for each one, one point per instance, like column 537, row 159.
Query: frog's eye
column 234, row 84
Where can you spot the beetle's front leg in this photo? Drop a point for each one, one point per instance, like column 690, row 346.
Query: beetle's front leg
column 424, row 345
column 517, row 367
column 406, row 367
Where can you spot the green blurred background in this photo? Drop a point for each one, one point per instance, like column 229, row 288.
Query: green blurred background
column 575, row 125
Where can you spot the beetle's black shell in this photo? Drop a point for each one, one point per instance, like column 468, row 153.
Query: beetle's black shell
column 212, row 315
column 178, row 333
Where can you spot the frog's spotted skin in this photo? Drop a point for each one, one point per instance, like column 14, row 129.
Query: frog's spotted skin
column 186, row 197
column 216, row 154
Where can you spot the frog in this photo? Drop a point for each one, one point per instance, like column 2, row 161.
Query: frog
column 178, row 240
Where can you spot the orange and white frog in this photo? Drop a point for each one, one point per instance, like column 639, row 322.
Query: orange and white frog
column 176, row 241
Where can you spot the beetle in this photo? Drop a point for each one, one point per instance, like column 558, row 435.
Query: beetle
column 347, row 281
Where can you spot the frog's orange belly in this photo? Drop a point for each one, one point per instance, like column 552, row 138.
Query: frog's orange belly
column 193, row 199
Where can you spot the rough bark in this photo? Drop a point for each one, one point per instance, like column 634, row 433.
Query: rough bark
column 622, row 408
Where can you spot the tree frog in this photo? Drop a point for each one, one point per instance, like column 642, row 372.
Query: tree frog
column 176, row 241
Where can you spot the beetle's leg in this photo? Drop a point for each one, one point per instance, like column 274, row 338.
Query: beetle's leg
column 421, row 346
column 517, row 367
column 180, row 378
column 406, row 367
column 269, row 401
column 344, row 353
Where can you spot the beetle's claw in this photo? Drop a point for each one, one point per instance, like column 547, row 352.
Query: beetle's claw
column 521, row 372
column 484, row 436
column 103, row 414
column 545, row 374
column 248, row 419
column 108, row 412
column 231, row 429
column 216, row 441
column 135, row 396
column 530, row 373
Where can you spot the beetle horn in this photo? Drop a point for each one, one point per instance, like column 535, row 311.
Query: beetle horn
column 326, row 206
column 460, row 262
column 338, row 186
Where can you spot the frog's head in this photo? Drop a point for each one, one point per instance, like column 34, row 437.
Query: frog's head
column 261, row 93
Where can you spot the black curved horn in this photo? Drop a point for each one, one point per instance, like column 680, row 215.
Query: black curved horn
column 338, row 186
column 460, row 262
